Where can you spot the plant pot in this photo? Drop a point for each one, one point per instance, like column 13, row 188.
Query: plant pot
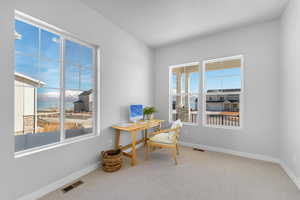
column 149, row 117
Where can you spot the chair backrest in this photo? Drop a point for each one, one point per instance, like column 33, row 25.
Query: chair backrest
column 177, row 124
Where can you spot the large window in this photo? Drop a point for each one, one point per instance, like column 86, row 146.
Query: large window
column 222, row 92
column 184, row 93
column 55, row 80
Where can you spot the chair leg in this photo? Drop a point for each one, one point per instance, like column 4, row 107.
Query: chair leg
column 177, row 149
column 174, row 155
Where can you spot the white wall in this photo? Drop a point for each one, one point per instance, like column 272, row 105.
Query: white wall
column 7, row 167
column 260, row 46
column 125, row 79
column 290, row 87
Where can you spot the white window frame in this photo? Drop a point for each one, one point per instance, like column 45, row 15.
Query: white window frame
column 171, row 94
column 96, row 85
column 241, row 106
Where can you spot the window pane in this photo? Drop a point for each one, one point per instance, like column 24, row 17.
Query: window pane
column 37, row 87
column 86, row 79
column 194, row 105
column 174, row 83
column 78, row 54
column 183, row 83
column 223, row 79
column 27, row 38
column 50, row 45
column 185, row 89
column 72, row 77
column 78, row 113
column 72, row 52
column 223, row 110
column 36, row 116
column 26, row 66
column 194, row 82
column 49, row 74
column 78, row 78
column 187, row 110
column 86, row 56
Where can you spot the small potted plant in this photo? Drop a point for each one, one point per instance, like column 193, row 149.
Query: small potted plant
column 148, row 113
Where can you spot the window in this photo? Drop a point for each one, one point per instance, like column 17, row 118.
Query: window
column 55, row 80
column 222, row 92
column 184, row 93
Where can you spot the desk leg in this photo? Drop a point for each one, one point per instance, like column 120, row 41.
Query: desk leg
column 133, row 152
column 146, row 136
column 117, row 139
column 158, row 128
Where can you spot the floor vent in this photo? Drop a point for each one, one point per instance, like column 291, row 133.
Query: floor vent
column 196, row 149
column 72, row 186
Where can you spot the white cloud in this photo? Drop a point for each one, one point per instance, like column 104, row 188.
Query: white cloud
column 70, row 95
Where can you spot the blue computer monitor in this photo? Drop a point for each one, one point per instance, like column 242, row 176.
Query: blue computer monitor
column 135, row 113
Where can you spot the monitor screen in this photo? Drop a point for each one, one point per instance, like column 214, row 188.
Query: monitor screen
column 135, row 112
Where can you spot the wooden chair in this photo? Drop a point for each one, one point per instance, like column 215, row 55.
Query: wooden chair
column 167, row 138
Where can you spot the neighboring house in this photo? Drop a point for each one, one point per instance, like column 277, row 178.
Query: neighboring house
column 85, row 102
column 223, row 102
column 25, row 104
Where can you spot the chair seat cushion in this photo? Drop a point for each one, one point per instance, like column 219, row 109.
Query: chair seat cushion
column 164, row 138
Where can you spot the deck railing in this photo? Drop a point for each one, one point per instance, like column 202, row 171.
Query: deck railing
column 220, row 119
column 193, row 117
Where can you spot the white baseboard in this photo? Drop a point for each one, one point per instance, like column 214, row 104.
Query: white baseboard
column 291, row 174
column 64, row 181
column 232, row 152
column 58, row 184
column 287, row 170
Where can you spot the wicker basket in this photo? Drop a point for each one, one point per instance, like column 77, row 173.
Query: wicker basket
column 111, row 160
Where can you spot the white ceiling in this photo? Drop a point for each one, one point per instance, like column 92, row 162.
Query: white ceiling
column 160, row 22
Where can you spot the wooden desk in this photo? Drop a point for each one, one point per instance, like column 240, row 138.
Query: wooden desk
column 133, row 129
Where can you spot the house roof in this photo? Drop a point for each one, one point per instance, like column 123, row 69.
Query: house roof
column 79, row 101
column 220, row 101
column 88, row 92
column 224, row 90
column 28, row 80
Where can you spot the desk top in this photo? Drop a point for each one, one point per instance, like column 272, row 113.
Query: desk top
column 141, row 125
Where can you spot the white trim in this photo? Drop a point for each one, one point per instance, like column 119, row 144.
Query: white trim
column 171, row 95
column 286, row 169
column 184, row 65
column 291, row 174
column 48, row 27
column 232, row 152
column 96, row 83
column 62, row 92
column 38, row 149
column 98, row 90
column 68, row 179
column 222, row 127
column 204, row 93
column 58, row 184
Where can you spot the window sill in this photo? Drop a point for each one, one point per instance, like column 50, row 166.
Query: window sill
column 186, row 123
column 222, row 127
column 35, row 150
column 189, row 124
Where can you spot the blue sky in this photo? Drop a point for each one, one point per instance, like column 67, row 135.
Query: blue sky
column 38, row 56
column 216, row 79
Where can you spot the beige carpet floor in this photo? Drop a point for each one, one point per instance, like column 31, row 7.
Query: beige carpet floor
column 199, row 176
